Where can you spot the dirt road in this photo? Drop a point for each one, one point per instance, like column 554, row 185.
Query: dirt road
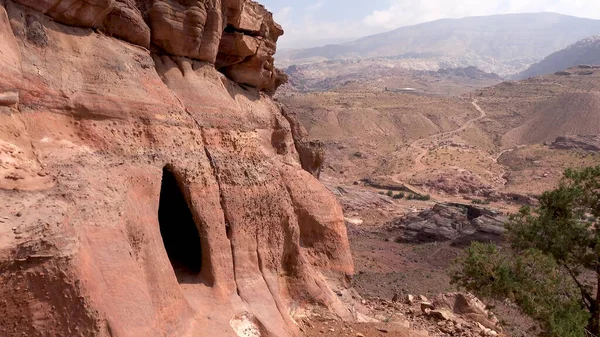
column 419, row 144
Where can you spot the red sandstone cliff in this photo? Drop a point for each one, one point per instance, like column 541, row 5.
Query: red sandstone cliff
column 149, row 186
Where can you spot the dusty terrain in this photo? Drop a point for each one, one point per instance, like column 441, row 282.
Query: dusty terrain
column 455, row 146
column 496, row 148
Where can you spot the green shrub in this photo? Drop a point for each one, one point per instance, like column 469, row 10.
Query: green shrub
column 420, row 197
column 554, row 250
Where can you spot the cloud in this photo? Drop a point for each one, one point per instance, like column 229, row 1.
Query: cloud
column 283, row 15
column 315, row 6
column 403, row 13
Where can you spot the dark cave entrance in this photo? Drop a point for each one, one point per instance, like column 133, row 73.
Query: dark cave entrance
column 178, row 229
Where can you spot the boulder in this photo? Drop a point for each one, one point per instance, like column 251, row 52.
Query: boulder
column 443, row 315
column 584, row 142
column 469, row 307
column 426, row 306
column 460, row 224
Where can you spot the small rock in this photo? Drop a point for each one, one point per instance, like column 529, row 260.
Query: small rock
column 442, row 314
column 380, row 318
column 426, row 305
column 423, row 298
column 358, row 334
column 382, row 330
column 9, row 98
column 409, row 299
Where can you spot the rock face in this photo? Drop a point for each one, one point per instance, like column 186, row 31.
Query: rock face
column 460, row 224
column 146, row 193
column 239, row 35
column 312, row 153
column 584, row 142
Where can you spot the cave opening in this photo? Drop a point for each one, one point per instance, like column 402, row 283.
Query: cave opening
column 178, row 229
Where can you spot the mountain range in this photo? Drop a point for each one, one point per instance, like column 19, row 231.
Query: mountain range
column 586, row 51
column 504, row 44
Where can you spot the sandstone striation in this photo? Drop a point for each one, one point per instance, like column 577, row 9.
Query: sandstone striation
column 145, row 193
column 240, row 36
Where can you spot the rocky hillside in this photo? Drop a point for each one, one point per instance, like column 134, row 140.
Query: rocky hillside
column 586, row 51
column 539, row 109
column 149, row 185
column 374, row 74
column 504, row 44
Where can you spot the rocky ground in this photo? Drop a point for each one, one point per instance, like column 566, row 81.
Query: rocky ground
column 387, row 273
column 403, row 247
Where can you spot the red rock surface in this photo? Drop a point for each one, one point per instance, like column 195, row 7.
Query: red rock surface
column 92, row 126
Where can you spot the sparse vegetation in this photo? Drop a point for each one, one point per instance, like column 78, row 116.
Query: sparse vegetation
column 421, row 197
column 390, row 194
column 552, row 267
column 480, row 202
column 399, row 196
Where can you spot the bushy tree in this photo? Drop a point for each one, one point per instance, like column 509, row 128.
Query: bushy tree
column 551, row 268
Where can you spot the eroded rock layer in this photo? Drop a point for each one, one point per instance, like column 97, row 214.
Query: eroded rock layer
column 239, row 35
column 98, row 136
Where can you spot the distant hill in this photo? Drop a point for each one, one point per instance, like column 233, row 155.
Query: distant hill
column 586, row 51
column 542, row 108
column 500, row 43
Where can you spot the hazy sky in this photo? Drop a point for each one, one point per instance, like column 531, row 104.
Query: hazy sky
column 316, row 22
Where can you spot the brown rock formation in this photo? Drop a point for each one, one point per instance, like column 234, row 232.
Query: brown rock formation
column 148, row 194
column 239, row 35
column 312, row 153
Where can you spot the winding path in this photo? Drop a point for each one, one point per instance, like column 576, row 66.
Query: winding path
column 419, row 143
column 419, row 146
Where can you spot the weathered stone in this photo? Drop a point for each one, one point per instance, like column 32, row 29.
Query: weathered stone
column 236, row 47
column 426, row 305
column 126, row 22
column 9, row 98
column 460, row 224
column 191, row 28
column 442, row 314
column 468, row 306
column 108, row 139
column 584, row 142
column 239, row 36
column 83, row 13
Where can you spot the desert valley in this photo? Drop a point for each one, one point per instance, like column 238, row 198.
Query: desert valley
column 165, row 170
